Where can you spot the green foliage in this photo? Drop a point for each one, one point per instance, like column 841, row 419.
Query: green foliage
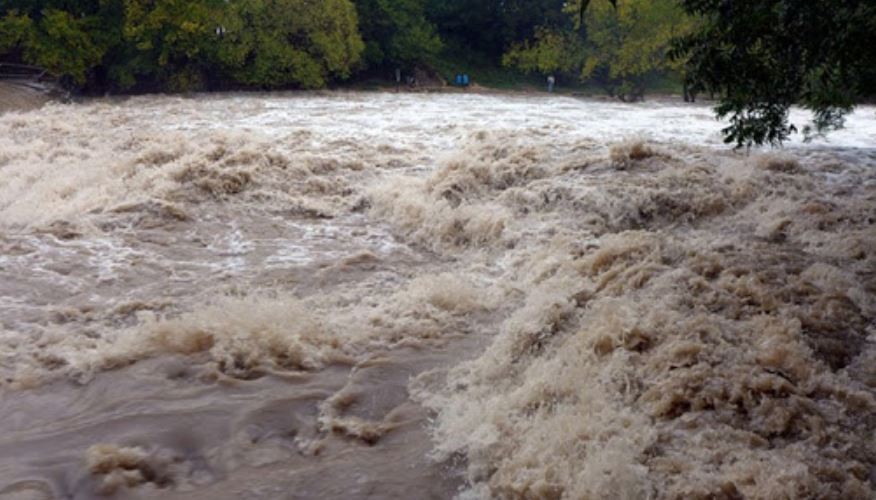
column 397, row 32
column 170, row 38
column 762, row 56
column 551, row 51
column 184, row 44
column 622, row 45
column 276, row 43
column 69, row 44
column 15, row 28
column 64, row 44
column 628, row 45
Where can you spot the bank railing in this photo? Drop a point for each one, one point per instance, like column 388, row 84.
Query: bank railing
column 34, row 77
column 15, row 71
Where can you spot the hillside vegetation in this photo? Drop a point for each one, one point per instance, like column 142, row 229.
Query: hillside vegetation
column 175, row 45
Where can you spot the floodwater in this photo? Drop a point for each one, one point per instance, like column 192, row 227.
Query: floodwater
column 363, row 295
column 15, row 96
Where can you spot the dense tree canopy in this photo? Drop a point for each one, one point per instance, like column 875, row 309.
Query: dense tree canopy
column 184, row 44
column 762, row 56
column 627, row 43
column 70, row 41
column 620, row 45
column 276, row 43
column 396, row 32
column 170, row 41
column 491, row 26
column 550, row 50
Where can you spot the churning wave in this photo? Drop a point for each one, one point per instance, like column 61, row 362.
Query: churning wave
column 592, row 300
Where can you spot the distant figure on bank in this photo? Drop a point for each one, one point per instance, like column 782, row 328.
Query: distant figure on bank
column 551, row 81
column 689, row 95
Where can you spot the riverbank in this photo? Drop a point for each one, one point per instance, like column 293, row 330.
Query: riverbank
column 487, row 80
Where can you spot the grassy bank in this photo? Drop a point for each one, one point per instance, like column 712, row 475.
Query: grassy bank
column 486, row 74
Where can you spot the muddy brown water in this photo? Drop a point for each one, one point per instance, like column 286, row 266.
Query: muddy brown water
column 17, row 97
column 361, row 295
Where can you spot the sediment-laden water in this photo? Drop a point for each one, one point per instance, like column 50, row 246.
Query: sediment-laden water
column 17, row 96
column 395, row 296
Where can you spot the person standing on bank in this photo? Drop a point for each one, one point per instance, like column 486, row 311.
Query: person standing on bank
column 551, row 81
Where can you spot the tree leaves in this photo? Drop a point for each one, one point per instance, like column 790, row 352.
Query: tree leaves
column 65, row 44
column 760, row 57
column 183, row 44
column 397, row 32
column 276, row 43
column 583, row 9
column 625, row 45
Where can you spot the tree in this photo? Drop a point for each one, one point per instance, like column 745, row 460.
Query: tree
column 475, row 26
column 68, row 38
column 396, row 32
column 760, row 57
column 550, row 51
column 172, row 39
column 490, row 27
column 522, row 19
column 184, row 44
column 276, row 43
column 621, row 45
column 628, row 43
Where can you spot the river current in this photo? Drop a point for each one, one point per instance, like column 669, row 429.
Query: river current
column 378, row 295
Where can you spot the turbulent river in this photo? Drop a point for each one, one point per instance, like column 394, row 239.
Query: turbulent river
column 360, row 295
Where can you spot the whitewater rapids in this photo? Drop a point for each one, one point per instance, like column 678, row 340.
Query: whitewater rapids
column 357, row 295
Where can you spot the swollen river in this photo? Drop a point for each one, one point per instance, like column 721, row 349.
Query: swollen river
column 356, row 295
